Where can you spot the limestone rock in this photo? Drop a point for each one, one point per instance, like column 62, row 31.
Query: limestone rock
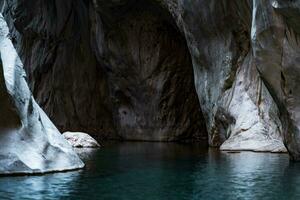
column 135, row 59
column 29, row 142
column 80, row 140
column 240, row 112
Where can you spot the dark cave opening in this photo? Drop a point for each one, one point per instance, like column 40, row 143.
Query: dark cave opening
column 125, row 73
column 150, row 76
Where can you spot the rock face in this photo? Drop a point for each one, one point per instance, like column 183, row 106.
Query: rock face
column 29, row 142
column 150, row 76
column 80, row 140
column 63, row 73
column 277, row 59
column 125, row 76
column 130, row 62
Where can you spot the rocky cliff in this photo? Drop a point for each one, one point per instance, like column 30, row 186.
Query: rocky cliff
column 157, row 70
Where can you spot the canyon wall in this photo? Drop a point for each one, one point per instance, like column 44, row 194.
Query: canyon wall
column 136, row 70
column 29, row 142
column 114, row 74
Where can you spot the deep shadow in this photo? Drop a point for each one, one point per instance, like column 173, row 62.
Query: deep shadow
column 113, row 69
column 150, row 75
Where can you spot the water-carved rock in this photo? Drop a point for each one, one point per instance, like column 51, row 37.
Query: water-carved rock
column 29, row 142
column 244, row 55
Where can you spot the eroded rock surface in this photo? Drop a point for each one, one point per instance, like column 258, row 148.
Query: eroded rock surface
column 244, row 55
column 29, row 142
column 81, row 140
column 150, row 76
column 123, row 74
column 240, row 112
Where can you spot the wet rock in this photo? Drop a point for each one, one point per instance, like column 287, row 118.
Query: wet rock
column 29, row 142
column 80, row 140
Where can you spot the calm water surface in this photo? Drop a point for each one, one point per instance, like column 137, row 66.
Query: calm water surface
column 156, row 171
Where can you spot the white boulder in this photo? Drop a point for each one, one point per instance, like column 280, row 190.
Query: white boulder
column 81, row 140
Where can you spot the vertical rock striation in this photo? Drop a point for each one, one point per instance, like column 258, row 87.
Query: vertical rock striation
column 275, row 41
column 150, row 75
column 116, row 75
column 53, row 41
column 239, row 110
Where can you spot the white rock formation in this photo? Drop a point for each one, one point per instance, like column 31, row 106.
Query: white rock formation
column 29, row 142
column 256, row 127
column 81, row 140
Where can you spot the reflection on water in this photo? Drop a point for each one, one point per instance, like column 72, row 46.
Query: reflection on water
column 164, row 171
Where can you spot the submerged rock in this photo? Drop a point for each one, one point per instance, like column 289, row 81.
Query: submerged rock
column 80, row 140
column 29, row 142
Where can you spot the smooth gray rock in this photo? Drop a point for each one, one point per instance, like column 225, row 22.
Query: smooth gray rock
column 80, row 140
column 29, row 142
column 276, row 48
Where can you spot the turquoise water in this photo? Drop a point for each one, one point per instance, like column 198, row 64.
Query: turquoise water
column 156, row 171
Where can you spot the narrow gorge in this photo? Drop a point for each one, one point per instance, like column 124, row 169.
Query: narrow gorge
column 220, row 73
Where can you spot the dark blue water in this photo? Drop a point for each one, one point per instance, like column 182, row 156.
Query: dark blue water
column 156, row 171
